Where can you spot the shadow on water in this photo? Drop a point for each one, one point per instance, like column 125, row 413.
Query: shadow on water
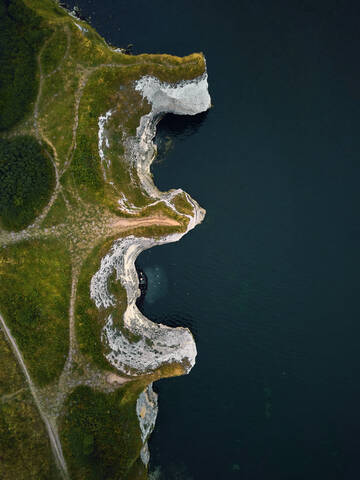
column 173, row 128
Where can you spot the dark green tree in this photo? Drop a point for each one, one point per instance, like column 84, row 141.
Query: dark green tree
column 20, row 40
column 26, row 181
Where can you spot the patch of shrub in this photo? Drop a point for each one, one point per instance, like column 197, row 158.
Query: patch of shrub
column 20, row 41
column 100, row 433
column 26, row 181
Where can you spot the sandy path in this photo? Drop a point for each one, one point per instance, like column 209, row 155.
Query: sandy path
column 156, row 220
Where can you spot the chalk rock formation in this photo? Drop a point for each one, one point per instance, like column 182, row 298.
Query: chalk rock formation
column 156, row 345
column 146, row 410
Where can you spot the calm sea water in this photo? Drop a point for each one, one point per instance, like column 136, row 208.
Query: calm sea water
column 269, row 283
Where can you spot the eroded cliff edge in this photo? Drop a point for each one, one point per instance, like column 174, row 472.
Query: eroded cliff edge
column 156, row 345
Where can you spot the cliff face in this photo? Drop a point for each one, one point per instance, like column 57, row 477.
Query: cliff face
column 184, row 98
column 146, row 410
column 156, row 345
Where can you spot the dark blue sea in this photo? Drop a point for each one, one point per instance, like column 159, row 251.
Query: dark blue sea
column 269, row 283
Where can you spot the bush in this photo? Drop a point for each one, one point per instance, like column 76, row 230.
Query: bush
column 26, row 180
column 20, row 41
column 100, row 433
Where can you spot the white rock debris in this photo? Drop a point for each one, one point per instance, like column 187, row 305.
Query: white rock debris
column 103, row 140
column 118, row 50
column 188, row 97
column 82, row 29
column 126, row 206
column 145, row 454
column 146, row 410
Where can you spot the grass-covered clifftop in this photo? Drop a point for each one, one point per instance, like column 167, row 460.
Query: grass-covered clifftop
column 61, row 208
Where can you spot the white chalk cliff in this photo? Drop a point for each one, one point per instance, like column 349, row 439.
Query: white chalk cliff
column 146, row 410
column 155, row 344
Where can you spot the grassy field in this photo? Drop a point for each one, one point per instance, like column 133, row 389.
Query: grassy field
column 34, row 298
column 101, row 435
column 24, row 445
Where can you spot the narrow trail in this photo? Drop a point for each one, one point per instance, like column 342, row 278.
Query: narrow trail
column 72, row 335
column 53, row 197
column 158, row 220
column 10, row 396
column 49, row 424
column 66, row 54
column 82, row 83
column 41, row 81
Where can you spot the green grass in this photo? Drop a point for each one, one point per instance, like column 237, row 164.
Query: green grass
column 57, row 108
column 21, row 428
column 26, row 180
column 86, row 166
column 47, row 9
column 54, row 51
column 22, row 431
column 182, row 205
column 11, row 378
column 34, row 300
column 101, row 435
column 57, row 213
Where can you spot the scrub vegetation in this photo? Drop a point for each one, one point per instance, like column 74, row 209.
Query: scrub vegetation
column 24, row 445
column 34, row 297
column 89, row 320
column 101, row 434
column 26, row 181
column 59, row 214
column 22, row 32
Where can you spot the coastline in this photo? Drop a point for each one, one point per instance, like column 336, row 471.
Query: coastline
column 171, row 345
column 156, row 345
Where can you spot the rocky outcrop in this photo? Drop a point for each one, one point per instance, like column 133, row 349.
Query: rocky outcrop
column 146, row 410
column 150, row 346
column 155, row 344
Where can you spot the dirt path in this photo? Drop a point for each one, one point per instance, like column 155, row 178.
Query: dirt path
column 10, row 396
column 72, row 336
column 49, row 424
column 158, row 220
